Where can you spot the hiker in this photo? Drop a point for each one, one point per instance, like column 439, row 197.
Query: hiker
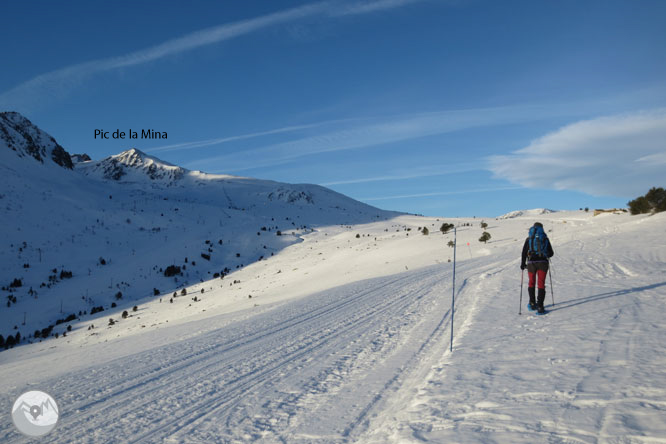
column 536, row 252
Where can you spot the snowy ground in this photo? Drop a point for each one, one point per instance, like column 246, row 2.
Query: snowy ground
column 346, row 339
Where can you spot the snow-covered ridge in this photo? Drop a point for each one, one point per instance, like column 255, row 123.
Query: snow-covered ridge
column 78, row 158
column 133, row 165
column 291, row 196
column 27, row 140
column 527, row 213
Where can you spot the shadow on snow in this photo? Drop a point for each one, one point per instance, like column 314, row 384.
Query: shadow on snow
column 601, row 296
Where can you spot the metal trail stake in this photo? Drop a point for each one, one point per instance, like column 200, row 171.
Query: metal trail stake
column 453, row 298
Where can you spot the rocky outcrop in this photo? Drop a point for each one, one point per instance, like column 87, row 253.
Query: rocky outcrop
column 27, row 140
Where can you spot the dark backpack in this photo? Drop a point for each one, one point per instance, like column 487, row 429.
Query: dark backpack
column 537, row 243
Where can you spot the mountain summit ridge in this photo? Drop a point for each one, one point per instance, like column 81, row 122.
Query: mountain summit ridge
column 131, row 165
column 27, row 140
column 133, row 169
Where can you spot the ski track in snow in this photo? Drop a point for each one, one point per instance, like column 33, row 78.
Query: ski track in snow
column 257, row 379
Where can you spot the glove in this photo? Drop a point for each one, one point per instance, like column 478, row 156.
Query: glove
column 523, row 266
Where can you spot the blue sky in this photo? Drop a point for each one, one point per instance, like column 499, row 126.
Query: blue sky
column 436, row 107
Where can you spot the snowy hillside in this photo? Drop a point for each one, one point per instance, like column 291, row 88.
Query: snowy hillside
column 531, row 213
column 346, row 339
column 84, row 235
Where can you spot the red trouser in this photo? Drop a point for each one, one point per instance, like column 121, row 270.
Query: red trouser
column 537, row 270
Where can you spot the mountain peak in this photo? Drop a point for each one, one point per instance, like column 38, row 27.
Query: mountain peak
column 26, row 139
column 133, row 165
column 135, row 157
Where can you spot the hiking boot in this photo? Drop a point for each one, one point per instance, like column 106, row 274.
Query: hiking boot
column 533, row 304
column 540, row 298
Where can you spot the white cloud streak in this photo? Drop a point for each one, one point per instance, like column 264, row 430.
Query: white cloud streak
column 439, row 193
column 391, row 130
column 57, row 84
column 372, row 6
column 620, row 155
column 434, row 171
column 654, row 159
column 222, row 140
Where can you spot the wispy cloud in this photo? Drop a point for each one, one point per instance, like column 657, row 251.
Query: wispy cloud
column 654, row 159
column 431, row 171
column 221, row 140
column 439, row 193
column 375, row 133
column 57, row 84
column 366, row 7
column 620, row 155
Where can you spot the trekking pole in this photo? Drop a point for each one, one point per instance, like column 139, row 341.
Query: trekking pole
column 520, row 307
column 550, row 276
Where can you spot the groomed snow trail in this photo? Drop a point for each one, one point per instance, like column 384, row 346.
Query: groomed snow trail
column 591, row 371
column 309, row 370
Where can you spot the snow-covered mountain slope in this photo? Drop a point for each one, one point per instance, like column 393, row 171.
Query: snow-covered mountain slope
column 104, row 232
column 26, row 140
column 131, row 166
column 346, row 339
column 531, row 213
column 77, row 158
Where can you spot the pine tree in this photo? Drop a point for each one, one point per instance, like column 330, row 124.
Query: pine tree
column 445, row 228
column 485, row 237
column 657, row 199
column 653, row 201
column 639, row 205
